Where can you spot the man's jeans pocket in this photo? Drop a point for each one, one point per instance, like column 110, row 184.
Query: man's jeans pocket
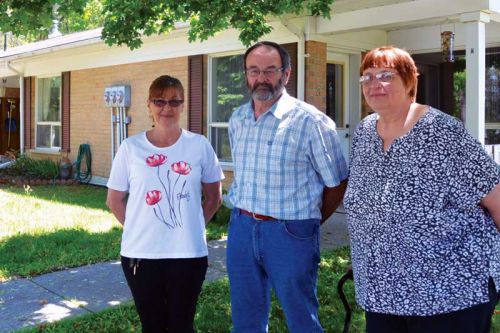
column 301, row 229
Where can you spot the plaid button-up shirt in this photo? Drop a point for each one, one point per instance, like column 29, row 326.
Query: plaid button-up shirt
column 284, row 159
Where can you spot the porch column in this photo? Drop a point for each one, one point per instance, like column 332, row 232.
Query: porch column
column 21, row 114
column 475, row 72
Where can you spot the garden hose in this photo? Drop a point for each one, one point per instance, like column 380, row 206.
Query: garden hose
column 85, row 156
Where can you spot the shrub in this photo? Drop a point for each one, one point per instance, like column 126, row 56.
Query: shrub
column 222, row 215
column 28, row 167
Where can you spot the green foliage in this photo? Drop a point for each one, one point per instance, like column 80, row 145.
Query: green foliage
column 217, row 227
column 127, row 20
column 231, row 87
column 33, row 18
column 28, row 167
column 459, row 93
column 92, row 17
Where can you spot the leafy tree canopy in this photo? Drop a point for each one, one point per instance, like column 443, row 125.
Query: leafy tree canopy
column 30, row 20
column 125, row 21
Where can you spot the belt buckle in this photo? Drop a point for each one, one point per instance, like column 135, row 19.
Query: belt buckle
column 256, row 218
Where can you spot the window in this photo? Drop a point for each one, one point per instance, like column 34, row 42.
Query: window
column 48, row 113
column 227, row 91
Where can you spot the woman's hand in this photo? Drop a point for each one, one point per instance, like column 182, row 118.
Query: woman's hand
column 492, row 203
column 213, row 199
column 116, row 203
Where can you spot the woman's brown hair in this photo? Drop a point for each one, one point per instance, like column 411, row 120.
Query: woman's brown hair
column 393, row 57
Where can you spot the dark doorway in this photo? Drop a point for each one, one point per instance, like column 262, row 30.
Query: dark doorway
column 334, row 93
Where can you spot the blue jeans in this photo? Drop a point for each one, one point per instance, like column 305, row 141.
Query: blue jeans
column 280, row 254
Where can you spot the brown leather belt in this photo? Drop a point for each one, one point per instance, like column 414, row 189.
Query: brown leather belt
column 257, row 216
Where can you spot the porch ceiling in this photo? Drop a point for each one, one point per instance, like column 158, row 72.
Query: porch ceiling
column 343, row 6
column 354, row 15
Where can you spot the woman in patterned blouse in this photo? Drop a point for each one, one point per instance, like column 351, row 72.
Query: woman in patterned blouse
column 423, row 205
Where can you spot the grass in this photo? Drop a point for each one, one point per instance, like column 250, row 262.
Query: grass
column 49, row 228
column 213, row 312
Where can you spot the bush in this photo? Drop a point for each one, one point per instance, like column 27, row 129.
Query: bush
column 29, row 167
column 221, row 217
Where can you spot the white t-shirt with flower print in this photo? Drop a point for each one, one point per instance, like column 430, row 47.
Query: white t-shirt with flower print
column 164, row 217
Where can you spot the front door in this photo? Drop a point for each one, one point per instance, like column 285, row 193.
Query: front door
column 337, row 98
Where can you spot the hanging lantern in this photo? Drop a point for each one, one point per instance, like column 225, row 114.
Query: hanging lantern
column 447, row 44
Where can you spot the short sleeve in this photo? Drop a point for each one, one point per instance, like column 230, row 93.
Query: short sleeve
column 211, row 170
column 326, row 153
column 119, row 175
column 473, row 173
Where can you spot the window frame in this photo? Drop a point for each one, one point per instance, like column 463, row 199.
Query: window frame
column 51, row 149
column 210, row 86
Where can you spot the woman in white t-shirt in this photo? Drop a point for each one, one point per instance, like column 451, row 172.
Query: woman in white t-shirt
column 164, row 172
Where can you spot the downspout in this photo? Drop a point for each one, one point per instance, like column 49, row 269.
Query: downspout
column 301, row 77
column 21, row 105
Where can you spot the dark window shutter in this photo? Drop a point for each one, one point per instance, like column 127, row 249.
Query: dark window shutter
column 65, row 112
column 27, row 112
column 195, row 83
column 291, row 87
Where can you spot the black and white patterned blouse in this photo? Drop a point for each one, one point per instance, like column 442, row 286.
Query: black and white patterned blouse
column 421, row 244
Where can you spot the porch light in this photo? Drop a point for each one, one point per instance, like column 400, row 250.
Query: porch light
column 447, row 44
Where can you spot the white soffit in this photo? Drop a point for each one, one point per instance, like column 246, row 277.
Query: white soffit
column 154, row 48
column 402, row 14
column 428, row 39
column 342, row 6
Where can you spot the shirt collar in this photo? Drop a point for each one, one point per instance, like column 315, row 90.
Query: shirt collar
column 283, row 105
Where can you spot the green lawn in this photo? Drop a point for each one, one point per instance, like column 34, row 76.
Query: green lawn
column 214, row 311
column 214, row 315
column 48, row 228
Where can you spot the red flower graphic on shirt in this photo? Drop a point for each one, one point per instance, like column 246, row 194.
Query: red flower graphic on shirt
column 181, row 167
column 153, row 197
column 156, row 160
column 170, row 188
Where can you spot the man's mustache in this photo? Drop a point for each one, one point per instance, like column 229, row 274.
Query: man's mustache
column 267, row 85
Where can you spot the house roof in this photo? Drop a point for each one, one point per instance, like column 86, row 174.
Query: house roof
column 70, row 40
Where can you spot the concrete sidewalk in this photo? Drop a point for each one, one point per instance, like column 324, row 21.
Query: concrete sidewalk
column 92, row 288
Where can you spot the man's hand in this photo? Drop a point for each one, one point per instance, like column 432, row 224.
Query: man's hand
column 332, row 197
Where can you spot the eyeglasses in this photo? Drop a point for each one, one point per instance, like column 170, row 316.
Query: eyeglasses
column 268, row 73
column 159, row 102
column 380, row 77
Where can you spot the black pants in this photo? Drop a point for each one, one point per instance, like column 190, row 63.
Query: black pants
column 165, row 292
column 476, row 319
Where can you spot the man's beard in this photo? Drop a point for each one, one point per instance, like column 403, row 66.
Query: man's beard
column 264, row 92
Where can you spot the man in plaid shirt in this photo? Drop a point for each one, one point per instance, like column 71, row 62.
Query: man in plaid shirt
column 289, row 175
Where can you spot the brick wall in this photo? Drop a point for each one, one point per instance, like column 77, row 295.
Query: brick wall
column 315, row 74
column 90, row 119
